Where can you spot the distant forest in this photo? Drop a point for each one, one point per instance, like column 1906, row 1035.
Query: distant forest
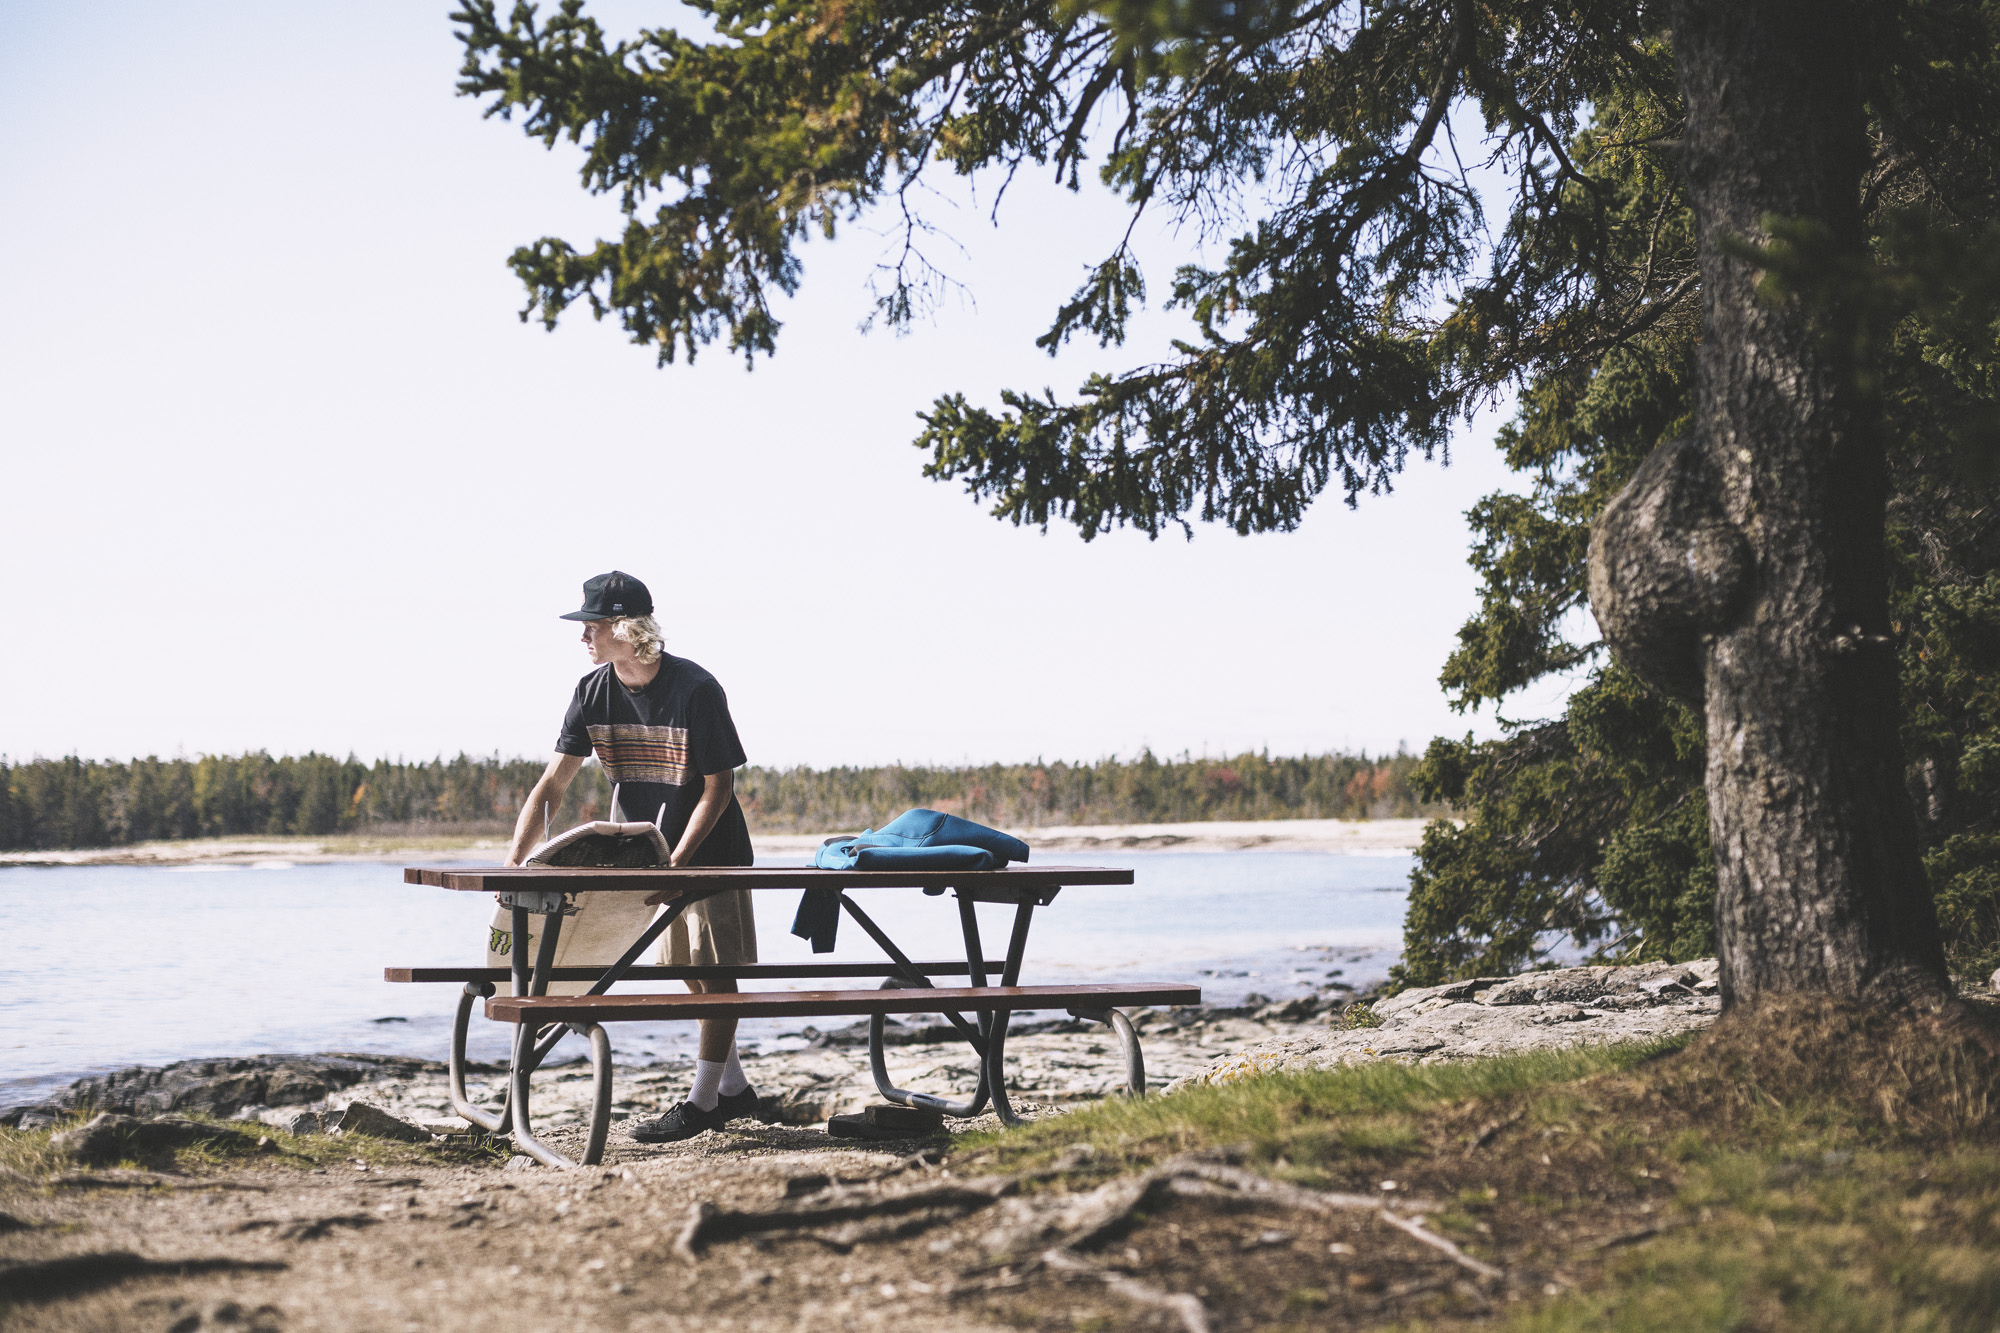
column 65, row 803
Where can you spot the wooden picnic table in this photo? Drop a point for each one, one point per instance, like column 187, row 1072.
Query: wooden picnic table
column 908, row 985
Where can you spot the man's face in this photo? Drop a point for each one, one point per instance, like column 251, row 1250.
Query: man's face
column 598, row 642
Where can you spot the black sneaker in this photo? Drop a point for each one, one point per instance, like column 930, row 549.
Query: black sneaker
column 744, row 1104
column 683, row 1122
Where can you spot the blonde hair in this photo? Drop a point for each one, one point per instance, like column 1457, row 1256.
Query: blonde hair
column 643, row 633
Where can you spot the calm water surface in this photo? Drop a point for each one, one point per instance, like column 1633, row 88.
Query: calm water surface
column 120, row 965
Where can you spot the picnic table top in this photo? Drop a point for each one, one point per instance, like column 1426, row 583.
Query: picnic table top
column 577, row 879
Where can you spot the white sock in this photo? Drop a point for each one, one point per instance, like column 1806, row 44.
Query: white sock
column 707, row 1082
column 733, row 1078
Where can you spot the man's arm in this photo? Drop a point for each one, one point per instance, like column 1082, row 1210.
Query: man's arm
column 715, row 793
column 549, row 791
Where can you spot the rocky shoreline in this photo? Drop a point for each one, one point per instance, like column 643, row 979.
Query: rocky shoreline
column 1051, row 1063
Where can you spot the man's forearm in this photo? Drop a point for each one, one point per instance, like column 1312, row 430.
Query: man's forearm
column 707, row 814
column 546, row 798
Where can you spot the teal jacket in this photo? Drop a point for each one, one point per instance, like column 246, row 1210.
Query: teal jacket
column 913, row 840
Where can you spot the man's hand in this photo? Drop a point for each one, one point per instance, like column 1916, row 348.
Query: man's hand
column 662, row 896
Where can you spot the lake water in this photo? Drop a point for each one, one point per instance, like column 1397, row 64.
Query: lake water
column 108, row 966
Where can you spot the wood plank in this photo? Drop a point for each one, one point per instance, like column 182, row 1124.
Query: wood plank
column 720, row 971
column 710, row 879
column 809, row 1004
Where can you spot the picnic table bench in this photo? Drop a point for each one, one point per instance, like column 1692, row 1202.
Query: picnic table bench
column 907, row 985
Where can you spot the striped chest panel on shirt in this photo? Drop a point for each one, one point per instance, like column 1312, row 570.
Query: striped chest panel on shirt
column 632, row 753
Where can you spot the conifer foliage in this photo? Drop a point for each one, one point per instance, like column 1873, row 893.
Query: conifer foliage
column 1810, row 188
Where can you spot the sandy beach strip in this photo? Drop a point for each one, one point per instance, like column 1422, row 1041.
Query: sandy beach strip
column 1366, row 837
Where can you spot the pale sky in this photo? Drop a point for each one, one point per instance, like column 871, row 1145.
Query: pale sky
column 285, row 471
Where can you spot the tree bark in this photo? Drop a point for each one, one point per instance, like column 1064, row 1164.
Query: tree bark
column 1746, row 567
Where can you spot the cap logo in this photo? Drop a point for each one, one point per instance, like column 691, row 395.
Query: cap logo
column 618, row 606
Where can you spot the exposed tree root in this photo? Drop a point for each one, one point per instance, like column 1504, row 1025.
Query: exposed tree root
column 1048, row 1232
column 847, row 1218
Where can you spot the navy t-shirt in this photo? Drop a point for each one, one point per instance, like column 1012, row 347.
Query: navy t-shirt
column 657, row 744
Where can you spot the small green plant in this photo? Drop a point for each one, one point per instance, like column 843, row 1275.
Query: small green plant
column 1358, row 1015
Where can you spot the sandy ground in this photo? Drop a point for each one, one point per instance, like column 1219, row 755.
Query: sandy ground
column 272, row 1246
column 446, row 1238
column 1365, row 837
column 463, row 1247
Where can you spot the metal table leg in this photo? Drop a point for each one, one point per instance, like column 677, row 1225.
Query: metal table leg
column 1128, row 1037
column 600, row 1104
column 878, row 1066
column 525, row 1058
column 600, row 1121
column 461, row 1104
column 996, row 1041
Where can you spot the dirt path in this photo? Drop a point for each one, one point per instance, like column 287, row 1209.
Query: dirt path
column 463, row 1247
column 393, row 1238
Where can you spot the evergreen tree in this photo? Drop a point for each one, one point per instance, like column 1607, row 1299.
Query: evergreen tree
column 1596, row 825
column 1740, row 569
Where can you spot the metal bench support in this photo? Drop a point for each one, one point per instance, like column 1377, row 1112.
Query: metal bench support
column 600, row 1115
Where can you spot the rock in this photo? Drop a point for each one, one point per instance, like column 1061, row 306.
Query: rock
column 857, row 1126
column 1994, row 981
column 1466, row 990
column 1487, row 1016
column 906, row 1119
column 295, row 1122
column 1294, row 1011
column 220, row 1088
column 111, row 1137
column 376, row 1123
column 794, row 1106
column 519, row 1161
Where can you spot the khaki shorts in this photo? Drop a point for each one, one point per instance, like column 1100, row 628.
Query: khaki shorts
column 721, row 929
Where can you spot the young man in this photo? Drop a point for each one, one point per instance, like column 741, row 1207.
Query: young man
column 660, row 726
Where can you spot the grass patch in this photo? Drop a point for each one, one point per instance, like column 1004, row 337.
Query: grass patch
column 1839, row 1242
column 1309, row 1120
column 1800, row 1168
column 31, row 1156
column 27, row 1154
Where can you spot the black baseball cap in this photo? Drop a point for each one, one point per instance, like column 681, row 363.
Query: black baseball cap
column 611, row 595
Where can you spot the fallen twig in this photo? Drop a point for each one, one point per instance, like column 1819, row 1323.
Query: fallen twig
column 1489, row 1130
column 1412, row 1227
column 1632, row 1237
column 1277, row 1191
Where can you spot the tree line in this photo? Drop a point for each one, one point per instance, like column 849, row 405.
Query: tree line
column 73, row 802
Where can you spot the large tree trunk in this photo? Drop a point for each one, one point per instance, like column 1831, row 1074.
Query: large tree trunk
column 1745, row 567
